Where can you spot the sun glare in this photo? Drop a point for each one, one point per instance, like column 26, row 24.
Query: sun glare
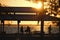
column 38, row 5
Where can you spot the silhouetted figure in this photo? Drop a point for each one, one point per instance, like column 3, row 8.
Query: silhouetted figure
column 49, row 29
column 28, row 29
column 21, row 29
column 2, row 26
column 58, row 24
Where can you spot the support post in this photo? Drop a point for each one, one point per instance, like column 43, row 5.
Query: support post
column 42, row 29
column 18, row 26
column 2, row 22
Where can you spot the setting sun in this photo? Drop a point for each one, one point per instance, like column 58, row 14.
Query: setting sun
column 38, row 5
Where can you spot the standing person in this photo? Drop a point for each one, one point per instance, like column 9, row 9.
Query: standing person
column 58, row 24
column 21, row 29
column 28, row 29
column 49, row 29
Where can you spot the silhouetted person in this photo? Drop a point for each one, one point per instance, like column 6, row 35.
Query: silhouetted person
column 49, row 29
column 21, row 29
column 58, row 24
column 28, row 29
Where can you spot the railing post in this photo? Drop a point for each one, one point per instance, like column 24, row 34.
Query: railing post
column 2, row 23
column 18, row 25
column 42, row 29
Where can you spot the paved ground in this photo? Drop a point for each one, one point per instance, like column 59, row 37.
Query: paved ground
column 28, row 37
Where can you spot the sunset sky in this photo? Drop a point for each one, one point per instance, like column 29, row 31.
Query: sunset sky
column 19, row 3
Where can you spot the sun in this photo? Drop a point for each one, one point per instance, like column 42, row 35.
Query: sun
column 38, row 5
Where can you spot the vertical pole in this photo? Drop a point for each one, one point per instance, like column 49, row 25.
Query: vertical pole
column 2, row 21
column 42, row 25
column 42, row 28
column 18, row 30
column 18, row 26
column 42, row 21
column 3, row 25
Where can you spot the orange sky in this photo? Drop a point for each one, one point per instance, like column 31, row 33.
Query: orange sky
column 18, row 3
